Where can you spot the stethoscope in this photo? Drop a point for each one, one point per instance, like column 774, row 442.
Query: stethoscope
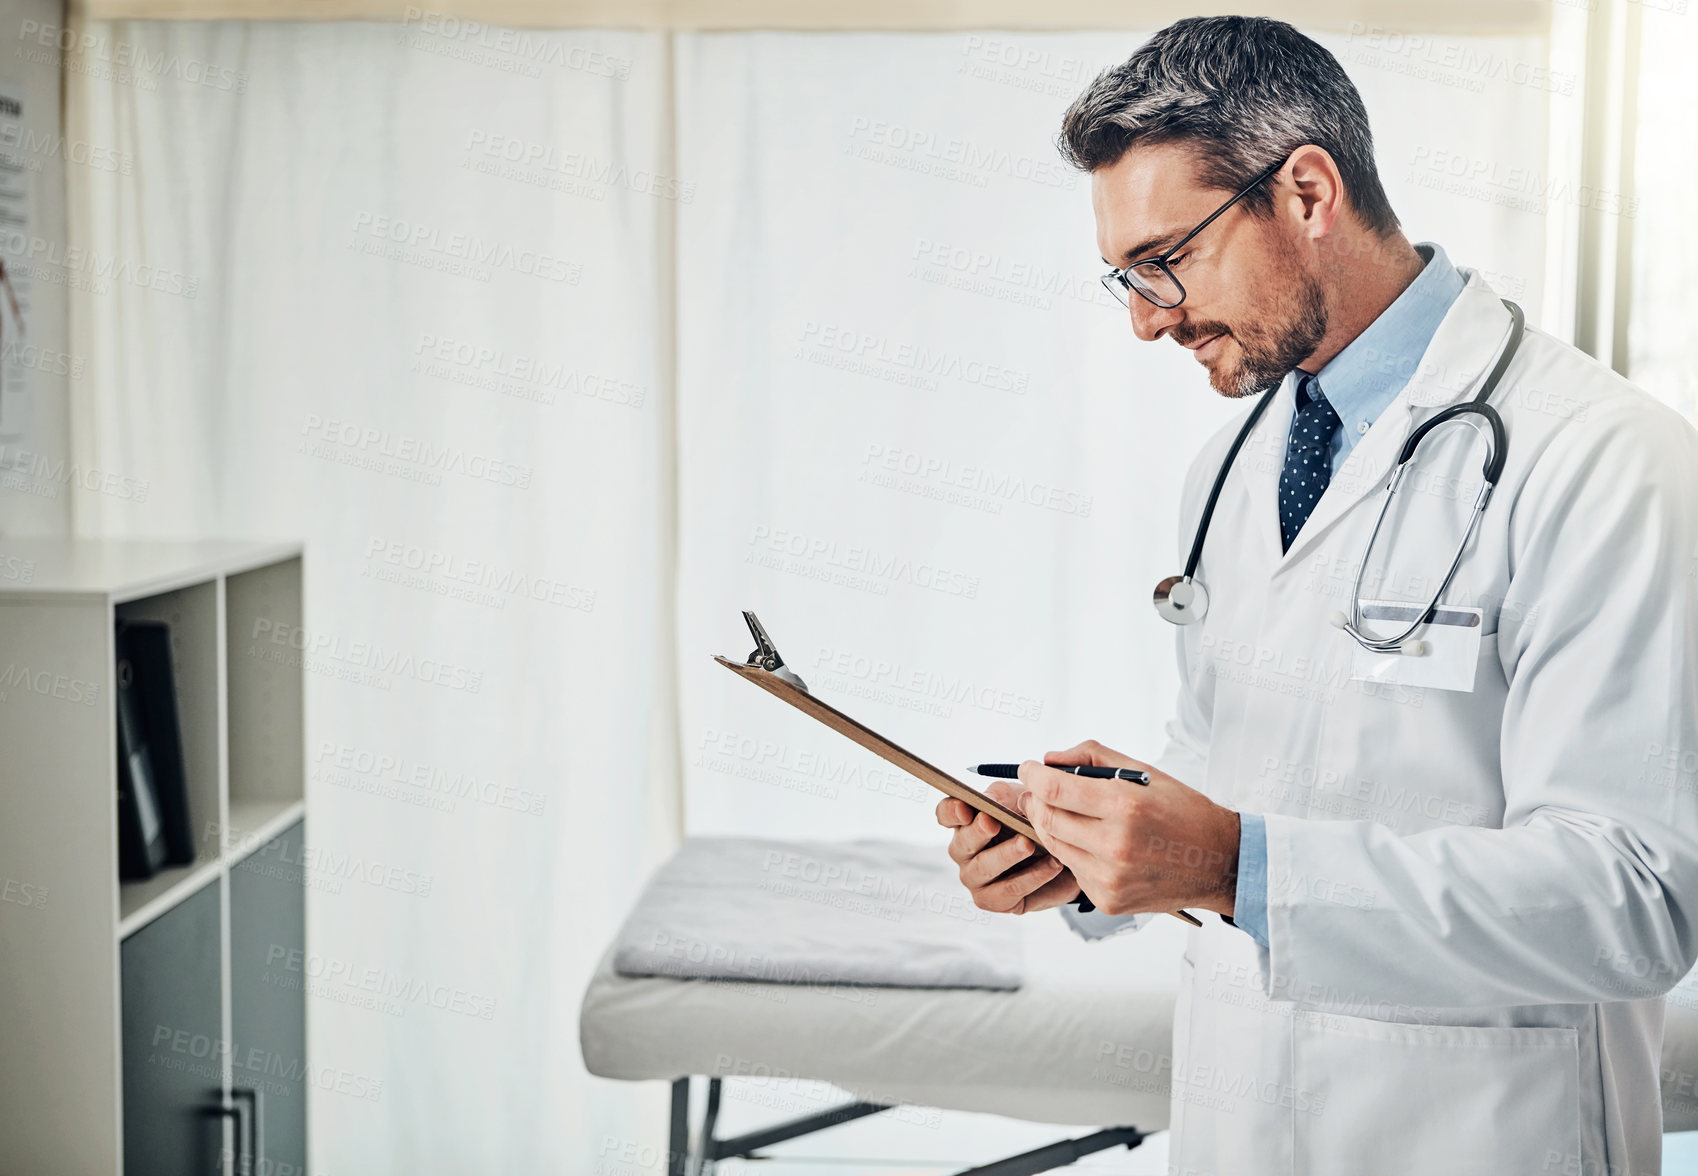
column 1184, row 601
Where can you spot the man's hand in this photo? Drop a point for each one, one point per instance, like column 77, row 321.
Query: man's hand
column 1010, row 876
column 1133, row 848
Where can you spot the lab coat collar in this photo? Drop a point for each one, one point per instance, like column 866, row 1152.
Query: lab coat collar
column 1451, row 369
column 1463, row 348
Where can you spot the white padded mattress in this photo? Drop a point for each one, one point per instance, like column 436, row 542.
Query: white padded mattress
column 1085, row 1040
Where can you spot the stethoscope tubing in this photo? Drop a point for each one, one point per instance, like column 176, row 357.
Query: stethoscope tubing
column 1497, row 452
column 1196, row 556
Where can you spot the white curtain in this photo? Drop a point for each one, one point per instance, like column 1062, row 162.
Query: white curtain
column 1662, row 345
column 404, row 296
column 919, row 439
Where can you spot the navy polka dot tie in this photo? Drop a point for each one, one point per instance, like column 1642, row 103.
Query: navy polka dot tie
column 1308, row 458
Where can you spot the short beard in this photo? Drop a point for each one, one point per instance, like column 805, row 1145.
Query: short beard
column 1269, row 350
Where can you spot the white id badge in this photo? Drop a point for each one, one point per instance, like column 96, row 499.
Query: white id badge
column 1452, row 640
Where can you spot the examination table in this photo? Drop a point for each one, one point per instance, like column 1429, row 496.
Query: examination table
column 1084, row 1039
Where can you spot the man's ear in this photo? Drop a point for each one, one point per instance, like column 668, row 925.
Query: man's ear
column 1315, row 198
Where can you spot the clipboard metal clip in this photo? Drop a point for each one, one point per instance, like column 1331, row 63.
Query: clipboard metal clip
column 765, row 654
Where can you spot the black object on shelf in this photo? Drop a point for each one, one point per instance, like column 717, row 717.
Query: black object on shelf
column 153, row 801
column 149, row 645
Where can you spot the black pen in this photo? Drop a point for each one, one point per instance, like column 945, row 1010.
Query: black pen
column 1012, row 772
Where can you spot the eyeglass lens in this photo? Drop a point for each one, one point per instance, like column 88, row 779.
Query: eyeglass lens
column 1149, row 279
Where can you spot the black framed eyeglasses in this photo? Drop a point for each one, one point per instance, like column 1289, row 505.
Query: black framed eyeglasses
column 1152, row 278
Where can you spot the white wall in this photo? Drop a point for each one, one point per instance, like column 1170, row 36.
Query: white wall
column 36, row 479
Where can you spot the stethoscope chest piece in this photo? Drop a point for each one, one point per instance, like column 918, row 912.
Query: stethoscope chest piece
column 1182, row 600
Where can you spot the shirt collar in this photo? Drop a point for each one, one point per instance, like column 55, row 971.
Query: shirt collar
column 1367, row 375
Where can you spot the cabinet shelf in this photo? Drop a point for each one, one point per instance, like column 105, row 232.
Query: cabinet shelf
column 252, row 824
column 139, row 903
column 255, row 822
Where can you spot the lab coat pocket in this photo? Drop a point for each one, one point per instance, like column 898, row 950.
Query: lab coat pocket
column 1387, row 1097
column 1444, row 654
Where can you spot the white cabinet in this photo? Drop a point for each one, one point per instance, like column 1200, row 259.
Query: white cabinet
column 73, row 961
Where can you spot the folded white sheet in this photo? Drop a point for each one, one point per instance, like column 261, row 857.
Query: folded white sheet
column 1084, row 1040
column 859, row 912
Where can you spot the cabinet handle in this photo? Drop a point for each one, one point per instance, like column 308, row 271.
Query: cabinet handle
column 252, row 1095
column 244, row 1131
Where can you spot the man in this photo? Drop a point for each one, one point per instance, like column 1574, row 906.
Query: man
column 1454, row 880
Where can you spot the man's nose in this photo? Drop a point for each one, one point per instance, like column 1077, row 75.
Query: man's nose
column 1149, row 320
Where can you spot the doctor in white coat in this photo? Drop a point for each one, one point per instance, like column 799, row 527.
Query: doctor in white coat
column 1454, row 885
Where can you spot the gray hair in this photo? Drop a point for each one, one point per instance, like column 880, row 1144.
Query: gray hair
column 1243, row 92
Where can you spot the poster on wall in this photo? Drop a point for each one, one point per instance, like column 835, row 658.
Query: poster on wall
column 16, row 163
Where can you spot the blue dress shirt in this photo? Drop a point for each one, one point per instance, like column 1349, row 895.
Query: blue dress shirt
column 1360, row 382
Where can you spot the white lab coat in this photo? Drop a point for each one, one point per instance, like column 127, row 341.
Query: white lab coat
column 1476, row 900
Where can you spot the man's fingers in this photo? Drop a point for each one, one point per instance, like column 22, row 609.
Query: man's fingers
column 1093, row 753
column 1012, row 893
column 1076, row 794
column 1080, row 753
column 1059, row 889
column 1006, row 792
column 996, row 860
column 952, row 813
column 1059, row 824
column 970, row 838
column 1069, row 854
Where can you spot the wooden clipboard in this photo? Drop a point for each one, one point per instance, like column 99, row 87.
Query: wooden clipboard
column 891, row 753
column 880, row 746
